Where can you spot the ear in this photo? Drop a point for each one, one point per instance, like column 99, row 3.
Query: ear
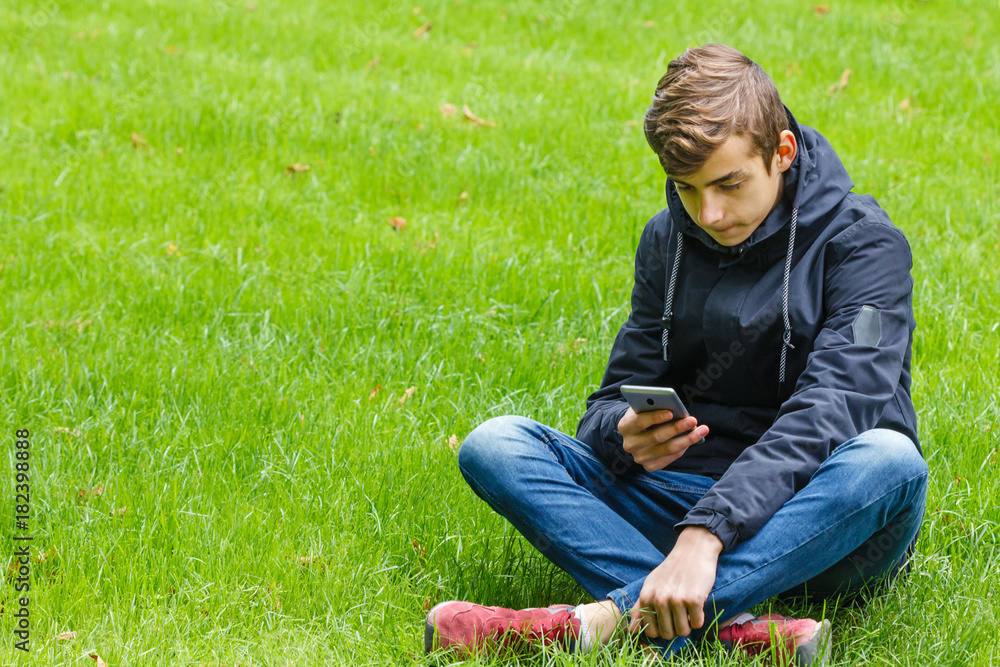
column 788, row 148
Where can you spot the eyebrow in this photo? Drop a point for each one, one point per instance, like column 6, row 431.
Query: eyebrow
column 739, row 173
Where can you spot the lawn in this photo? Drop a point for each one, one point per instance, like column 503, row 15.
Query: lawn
column 245, row 379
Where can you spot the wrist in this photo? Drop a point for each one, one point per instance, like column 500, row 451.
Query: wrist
column 701, row 538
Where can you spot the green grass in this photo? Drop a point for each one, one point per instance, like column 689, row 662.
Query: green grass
column 198, row 331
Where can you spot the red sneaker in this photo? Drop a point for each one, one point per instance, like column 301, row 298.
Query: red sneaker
column 471, row 628
column 801, row 641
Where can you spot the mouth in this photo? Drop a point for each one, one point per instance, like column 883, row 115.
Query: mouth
column 721, row 230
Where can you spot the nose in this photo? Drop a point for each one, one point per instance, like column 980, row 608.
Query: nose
column 709, row 212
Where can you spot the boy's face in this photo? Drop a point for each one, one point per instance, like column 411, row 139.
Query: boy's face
column 732, row 193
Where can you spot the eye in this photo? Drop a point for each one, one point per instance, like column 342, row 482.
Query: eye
column 730, row 188
column 682, row 188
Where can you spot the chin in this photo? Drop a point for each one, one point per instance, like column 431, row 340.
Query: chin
column 731, row 239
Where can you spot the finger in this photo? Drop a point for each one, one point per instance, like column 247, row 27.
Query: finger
column 663, row 461
column 649, row 624
column 656, row 417
column 637, row 621
column 654, row 457
column 680, row 618
column 666, row 622
column 697, row 434
column 697, row 615
column 673, row 429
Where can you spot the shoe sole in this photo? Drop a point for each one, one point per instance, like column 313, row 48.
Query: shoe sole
column 817, row 650
column 429, row 626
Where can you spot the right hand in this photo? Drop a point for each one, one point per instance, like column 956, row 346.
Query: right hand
column 654, row 441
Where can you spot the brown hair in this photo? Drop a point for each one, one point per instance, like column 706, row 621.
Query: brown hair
column 707, row 95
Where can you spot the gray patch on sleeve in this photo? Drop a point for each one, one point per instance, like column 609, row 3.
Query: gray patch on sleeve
column 868, row 326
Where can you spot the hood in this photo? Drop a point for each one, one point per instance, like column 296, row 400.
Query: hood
column 815, row 184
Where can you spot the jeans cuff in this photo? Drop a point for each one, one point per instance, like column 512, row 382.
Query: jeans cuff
column 621, row 600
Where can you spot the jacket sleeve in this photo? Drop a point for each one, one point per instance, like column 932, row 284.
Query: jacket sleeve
column 636, row 355
column 842, row 391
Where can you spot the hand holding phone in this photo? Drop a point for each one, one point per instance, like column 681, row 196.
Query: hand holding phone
column 660, row 430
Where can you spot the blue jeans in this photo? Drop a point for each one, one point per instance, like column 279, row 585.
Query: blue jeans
column 848, row 529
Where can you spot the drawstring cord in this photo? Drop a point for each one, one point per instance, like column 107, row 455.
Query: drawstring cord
column 668, row 316
column 786, row 337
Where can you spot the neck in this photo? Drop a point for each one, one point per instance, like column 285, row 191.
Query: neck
column 781, row 190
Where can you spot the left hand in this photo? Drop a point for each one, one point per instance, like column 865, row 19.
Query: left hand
column 672, row 600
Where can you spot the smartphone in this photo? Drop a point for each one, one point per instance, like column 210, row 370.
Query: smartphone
column 647, row 399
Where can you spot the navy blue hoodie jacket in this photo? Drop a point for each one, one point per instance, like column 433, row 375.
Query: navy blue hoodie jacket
column 843, row 351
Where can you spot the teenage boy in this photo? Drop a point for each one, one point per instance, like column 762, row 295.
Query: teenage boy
column 779, row 305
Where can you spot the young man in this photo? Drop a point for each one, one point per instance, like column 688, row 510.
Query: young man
column 779, row 305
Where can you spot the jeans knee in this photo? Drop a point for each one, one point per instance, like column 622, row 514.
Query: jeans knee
column 893, row 454
column 489, row 444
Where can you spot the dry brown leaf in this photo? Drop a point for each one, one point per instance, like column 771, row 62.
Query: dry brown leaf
column 907, row 105
column 453, row 442
column 427, row 604
column 398, row 223
column 100, row 663
column 448, row 110
column 297, row 168
column 409, row 392
column 120, row 511
column 420, row 549
column 374, row 391
column 988, row 158
column 840, row 85
column 171, row 249
column 468, row 115
column 650, row 24
column 66, row 636
column 306, row 561
column 821, row 9
column 179, row 150
column 463, row 195
column 62, row 429
column 139, row 141
column 423, row 30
